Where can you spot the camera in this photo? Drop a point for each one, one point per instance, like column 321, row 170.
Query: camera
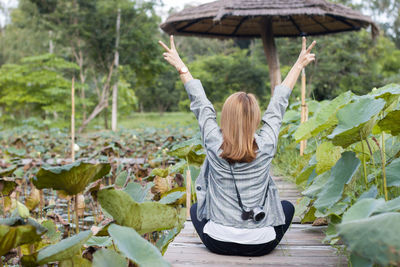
column 257, row 214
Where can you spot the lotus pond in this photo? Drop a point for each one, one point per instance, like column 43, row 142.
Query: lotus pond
column 122, row 200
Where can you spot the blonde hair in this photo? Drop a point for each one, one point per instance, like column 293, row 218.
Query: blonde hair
column 240, row 118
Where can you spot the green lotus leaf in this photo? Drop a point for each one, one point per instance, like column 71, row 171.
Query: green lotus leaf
column 393, row 173
column 305, row 174
column 160, row 172
column 356, row 121
column 75, row 261
column 302, row 206
column 71, row 178
column 172, row 197
column 357, row 261
column 362, row 209
column 375, row 238
column 309, row 216
column 107, row 257
column 135, row 247
column 7, row 172
column 121, row 178
column 17, row 231
column 390, row 123
column 143, row 217
column 371, row 193
column 317, row 185
column 166, row 238
column 357, row 147
column 63, row 250
column 389, row 206
column 327, row 155
column 341, row 174
column 99, row 241
column 325, row 118
column 137, row 192
column 291, row 116
column 7, row 186
column 183, row 149
column 390, row 93
column 337, row 209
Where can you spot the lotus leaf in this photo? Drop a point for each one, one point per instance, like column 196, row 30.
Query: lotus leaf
column 371, row 193
column 356, row 121
column 336, row 209
column 136, row 247
column 137, row 192
column 325, row 118
column 309, row 216
column 7, row 172
column 390, row 123
column 302, row 205
column 303, row 176
column 178, row 201
column 99, row 241
column 106, row 258
column 393, row 173
column 362, row 209
column 341, row 174
column 183, row 149
column 143, row 217
column 75, row 261
column 121, row 178
column 317, row 185
column 327, row 155
column 357, row 261
column 390, row 93
column 7, row 186
column 159, row 172
column 17, row 231
column 167, row 237
column 63, row 250
column 375, row 238
column 71, row 178
column 172, row 197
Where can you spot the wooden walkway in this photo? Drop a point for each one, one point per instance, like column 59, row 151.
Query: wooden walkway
column 301, row 245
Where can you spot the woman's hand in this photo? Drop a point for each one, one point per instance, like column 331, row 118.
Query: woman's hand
column 304, row 59
column 305, row 56
column 171, row 55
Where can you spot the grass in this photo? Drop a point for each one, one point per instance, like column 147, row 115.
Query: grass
column 154, row 119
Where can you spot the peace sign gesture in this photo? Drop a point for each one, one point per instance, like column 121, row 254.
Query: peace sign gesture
column 171, row 55
column 305, row 56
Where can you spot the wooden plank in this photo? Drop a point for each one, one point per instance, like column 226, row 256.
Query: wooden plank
column 301, row 246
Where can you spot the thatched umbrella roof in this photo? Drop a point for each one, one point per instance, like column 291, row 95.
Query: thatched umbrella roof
column 266, row 19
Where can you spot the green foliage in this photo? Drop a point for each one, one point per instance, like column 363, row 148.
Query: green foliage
column 143, row 217
column 72, row 178
column 106, row 257
column 35, row 86
column 64, row 250
column 356, row 121
column 375, row 238
column 16, row 231
column 135, row 247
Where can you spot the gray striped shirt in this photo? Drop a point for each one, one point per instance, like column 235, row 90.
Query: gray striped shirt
column 216, row 194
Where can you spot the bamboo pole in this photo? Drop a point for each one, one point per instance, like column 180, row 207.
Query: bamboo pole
column 73, row 119
column 188, row 193
column 304, row 108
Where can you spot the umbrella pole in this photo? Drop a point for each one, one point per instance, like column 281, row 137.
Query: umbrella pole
column 267, row 36
column 304, row 108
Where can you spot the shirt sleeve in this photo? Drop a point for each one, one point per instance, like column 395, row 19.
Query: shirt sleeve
column 204, row 112
column 272, row 118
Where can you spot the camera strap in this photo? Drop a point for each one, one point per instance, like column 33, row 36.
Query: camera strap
column 238, row 195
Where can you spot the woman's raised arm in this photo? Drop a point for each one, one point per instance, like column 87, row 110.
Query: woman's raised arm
column 199, row 104
column 273, row 116
column 173, row 58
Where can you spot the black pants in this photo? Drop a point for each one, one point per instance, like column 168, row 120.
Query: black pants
column 229, row 248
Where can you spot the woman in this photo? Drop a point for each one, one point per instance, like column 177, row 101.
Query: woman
column 238, row 210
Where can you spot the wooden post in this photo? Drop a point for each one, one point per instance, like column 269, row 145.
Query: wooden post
column 267, row 36
column 304, row 108
column 188, row 193
column 73, row 119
